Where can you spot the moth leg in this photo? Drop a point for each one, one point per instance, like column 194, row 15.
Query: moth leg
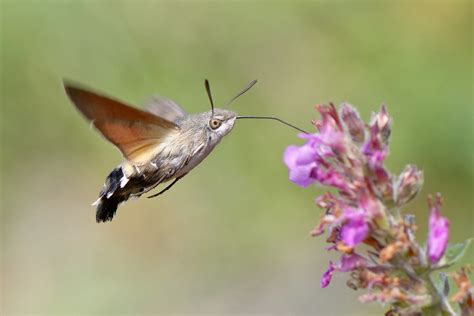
column 167, row 188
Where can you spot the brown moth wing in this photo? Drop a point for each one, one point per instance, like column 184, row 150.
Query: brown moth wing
column 96, row 107
column 135, row 132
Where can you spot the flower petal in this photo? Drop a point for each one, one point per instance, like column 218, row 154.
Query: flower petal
column 301, row 175
column 354, row 232
column 351, row 262
column 327, row 276
column 301, row 162
column 290, row 156
column 305, row 155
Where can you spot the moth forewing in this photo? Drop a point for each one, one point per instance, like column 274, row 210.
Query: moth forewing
column 134, row 132
column 99, row 107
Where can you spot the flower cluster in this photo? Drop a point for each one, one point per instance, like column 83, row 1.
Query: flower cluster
column 363, row 217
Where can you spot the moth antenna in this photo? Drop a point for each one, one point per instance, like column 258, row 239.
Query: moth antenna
column 247, row 88
column 273, row 118
column 208, row 90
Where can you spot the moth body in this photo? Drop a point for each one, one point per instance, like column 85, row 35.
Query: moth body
column 177, row 155
column 158, row 145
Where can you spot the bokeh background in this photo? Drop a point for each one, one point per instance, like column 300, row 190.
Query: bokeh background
column 232, row 237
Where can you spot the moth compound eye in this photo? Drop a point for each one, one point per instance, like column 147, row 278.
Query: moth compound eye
column 214, row 123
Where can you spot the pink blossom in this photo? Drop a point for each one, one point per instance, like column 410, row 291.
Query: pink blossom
column 332, row 178
column 375, row 147
column 351, row 262
column 438, row 231
column 355, row 230
column 349, row 156
column 301, row 161
column 327, row 276
column 330, row 129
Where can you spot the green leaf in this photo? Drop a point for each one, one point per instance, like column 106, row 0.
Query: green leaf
column 455, row 252
column 441, row 283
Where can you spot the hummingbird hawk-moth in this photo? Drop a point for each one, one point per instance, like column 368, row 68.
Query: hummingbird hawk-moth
column 158, row 144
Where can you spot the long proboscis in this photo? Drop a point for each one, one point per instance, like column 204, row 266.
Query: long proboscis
column 273, row 118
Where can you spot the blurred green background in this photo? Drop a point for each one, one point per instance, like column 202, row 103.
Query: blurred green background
column 232, row 237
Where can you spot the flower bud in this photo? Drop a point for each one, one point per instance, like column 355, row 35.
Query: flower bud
column 353, row 122
column 381, row 123
column 438, row 231
column 408, row 185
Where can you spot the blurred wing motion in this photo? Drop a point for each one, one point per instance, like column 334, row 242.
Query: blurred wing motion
column 136, row 133
column 165, row 108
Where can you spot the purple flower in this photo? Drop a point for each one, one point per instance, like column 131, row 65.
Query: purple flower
column 332, row 178
column 363, row 212
column 355, row 230
column 330, row 129
column 301, row 161
column 327, row 276
column 375, row 147
column 334, row 139
column 438, row 231
column 372, row 145
column 351, row 262
column 376, row 158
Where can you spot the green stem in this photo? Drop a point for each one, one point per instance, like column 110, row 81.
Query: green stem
column 439, row 300
column 438, row 297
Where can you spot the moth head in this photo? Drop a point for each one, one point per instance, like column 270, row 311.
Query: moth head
column 220, row 122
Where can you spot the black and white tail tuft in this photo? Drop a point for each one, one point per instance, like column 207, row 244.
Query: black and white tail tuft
column 108, row 198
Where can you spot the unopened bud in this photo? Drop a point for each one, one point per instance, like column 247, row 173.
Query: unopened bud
column 382, row 123
column 353, row 122
column 408, row 185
